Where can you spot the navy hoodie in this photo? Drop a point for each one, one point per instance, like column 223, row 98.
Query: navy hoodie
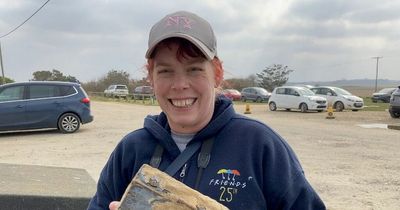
column 251, row 166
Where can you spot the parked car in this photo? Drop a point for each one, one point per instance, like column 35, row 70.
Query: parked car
column 232, row 94
column 116, row 91
column 142, row 92
column 256, row 94
column 383, row 95
column 339, row 98
column 394, row 104
column 293, row 97
column 37, row 105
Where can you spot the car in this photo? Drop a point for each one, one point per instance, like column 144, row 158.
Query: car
column 256, row 94
column 394, row 103
column 293, row 97
column 340, row 99
column 383, row 95
column 142, row 92
column 116, row 91
column 38, row 105
column 232, row 94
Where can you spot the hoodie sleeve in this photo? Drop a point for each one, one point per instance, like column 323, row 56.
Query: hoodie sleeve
column 285, row 185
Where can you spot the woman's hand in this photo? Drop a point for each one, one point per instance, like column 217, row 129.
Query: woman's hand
column 114, row 205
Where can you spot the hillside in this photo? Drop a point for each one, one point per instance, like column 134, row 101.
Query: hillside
column 354, row 82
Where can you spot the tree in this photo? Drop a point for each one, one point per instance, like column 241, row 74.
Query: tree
column 7, row 80
column 240, row 83
column 54, row 75
column 274, row 76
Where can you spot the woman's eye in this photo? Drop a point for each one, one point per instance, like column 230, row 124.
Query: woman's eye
column 196, row 69
column 161, row 71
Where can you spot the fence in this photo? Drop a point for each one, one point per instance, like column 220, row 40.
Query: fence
column 130, row 97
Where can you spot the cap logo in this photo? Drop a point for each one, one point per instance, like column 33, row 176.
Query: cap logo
column 179, row 20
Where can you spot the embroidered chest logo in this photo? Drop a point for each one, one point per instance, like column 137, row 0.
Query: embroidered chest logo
column 229, row 183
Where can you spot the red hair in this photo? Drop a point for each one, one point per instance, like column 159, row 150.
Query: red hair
column 186, row 49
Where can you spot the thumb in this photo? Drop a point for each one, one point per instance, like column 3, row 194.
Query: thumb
column 114, row 205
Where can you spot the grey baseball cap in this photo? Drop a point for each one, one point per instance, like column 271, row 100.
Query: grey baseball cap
column 185, row 25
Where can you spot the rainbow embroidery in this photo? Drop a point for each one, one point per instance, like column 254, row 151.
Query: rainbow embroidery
column 228, row 172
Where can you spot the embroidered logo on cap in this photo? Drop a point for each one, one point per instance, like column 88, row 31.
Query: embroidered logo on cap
column 179, row 20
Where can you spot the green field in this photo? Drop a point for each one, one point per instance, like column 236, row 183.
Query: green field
column 369, row 105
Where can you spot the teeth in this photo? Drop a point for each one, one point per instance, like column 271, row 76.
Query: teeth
column 183, row 103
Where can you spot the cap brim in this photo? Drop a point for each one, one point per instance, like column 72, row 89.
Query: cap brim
column 203, row 48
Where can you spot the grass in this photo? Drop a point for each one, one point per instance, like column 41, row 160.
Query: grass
column 371, row 106
column 368, row 104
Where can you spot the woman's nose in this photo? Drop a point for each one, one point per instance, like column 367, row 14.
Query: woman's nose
column 180, row 82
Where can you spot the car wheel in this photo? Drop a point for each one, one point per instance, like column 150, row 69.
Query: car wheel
column 68, row 123
column 272, row 106
column 394, row 114
column 258, row 100
column 339, row 106
column 303, row 107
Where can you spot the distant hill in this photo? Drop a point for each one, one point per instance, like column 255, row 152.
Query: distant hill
column 353, row 82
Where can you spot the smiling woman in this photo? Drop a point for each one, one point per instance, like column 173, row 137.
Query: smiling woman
column 198, row 138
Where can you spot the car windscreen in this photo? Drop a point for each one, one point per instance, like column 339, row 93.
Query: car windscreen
column 121, row 87
column 306, row 92
column 262, row 91
column 232, row 91
column 387, row 90
column 341, row 91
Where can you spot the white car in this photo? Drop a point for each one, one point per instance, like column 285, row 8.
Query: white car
column 292, row 97
column 116, row 91
column 339, row 98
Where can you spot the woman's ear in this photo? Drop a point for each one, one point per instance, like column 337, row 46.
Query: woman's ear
column 149, row 67
column 218, row 71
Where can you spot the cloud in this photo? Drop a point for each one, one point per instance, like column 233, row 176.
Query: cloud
column 320, row 39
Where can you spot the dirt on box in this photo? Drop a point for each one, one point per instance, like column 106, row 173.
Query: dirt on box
column 350, row 165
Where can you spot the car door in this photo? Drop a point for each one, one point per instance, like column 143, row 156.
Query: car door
column 326, row 93
column 44, row 105
column 293, row 98
column 12, row 108
column 330, row 96
column 280, row 98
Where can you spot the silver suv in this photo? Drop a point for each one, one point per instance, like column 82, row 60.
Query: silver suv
column 116, row 91
column 394, row 104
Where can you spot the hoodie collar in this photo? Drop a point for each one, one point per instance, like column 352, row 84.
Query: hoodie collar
column 158, row 126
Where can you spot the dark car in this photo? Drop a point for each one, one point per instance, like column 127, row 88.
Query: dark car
column 142, row 92
column 383, row 95
column 256, row 94
column 394, row 104
column 232, row 94
column 37, row 105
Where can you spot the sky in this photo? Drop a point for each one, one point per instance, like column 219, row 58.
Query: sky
column 321, row 40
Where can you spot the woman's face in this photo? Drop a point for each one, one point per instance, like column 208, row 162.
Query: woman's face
column 185, row 89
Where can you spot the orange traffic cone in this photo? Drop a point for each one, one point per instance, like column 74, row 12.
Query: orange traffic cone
column 330, row 113
column 247, row 109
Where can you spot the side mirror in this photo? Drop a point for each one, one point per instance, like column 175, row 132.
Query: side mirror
column 296, row 94
column 329, row 93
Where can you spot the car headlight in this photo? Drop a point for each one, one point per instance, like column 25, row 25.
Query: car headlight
column 350, row 99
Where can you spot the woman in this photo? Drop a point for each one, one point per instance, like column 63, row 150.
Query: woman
column 251, row 167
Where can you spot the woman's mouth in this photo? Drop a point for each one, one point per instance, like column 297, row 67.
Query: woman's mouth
column 183, row 102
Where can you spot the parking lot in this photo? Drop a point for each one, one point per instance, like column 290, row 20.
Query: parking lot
column 352, row 161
